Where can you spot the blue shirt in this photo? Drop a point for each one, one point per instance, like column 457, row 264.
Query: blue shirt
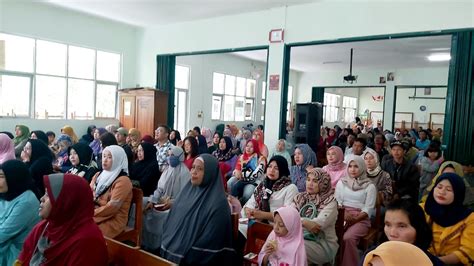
column 422, row 145
column 17, row 218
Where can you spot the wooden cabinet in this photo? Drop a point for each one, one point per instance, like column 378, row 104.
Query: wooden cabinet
column 143, row 108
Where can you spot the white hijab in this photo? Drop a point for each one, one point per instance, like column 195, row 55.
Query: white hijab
column 119, row 164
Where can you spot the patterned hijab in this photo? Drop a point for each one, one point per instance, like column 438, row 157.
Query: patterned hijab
column 339, row 164
column 320, row 199
column 224, row 155
column 361, row 181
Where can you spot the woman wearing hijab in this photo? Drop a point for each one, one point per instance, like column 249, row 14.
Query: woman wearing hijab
column 397, row 253
column 331, row 139
column 7, row 150
column 248, row 172
column 198, row 228
column 134, row 139
column 336, row 168
column 285, row 244
column 356, row 193
column 68, row 130
column 275, row 191
column 318, row 208
column 21, row 137
column 452, row 222
column 280, row 149
column 224, row 153
column 246, row 136
column 18, row 203
column 446, row 167
column 112, row 191
column 39, row 134
column 95, row 143
column 67, row 235
column 379, row 177
column 89, row 136
column 190, row 146
column 304, row 158
column 80, row 156
column 258, row 136
column 146, row 170
column 39, row 159
column 173, row 179
column 63, row 164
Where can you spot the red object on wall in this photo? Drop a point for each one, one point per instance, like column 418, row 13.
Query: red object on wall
column 274, row 82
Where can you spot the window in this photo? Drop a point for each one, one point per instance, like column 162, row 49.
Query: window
column 14, row 95
column 181, row 97
column 59, row 80
column 16, row 53
column 288, row 104
column 349, row 106
column 331, row 107
column 236, row 95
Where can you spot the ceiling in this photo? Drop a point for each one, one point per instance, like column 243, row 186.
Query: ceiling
column 162, row 12
column 392, row 53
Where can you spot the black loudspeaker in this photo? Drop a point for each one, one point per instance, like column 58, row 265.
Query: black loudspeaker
column 308, row 121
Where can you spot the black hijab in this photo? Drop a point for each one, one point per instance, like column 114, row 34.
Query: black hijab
column 202, row 144
column 89, row 136
column 40, row 135
column 18, row 179
column 224, row 155
column 146, row 171
column 198, row 227
column 448, row 215
column 272, row 185
column 83, row 151
column 39, row 149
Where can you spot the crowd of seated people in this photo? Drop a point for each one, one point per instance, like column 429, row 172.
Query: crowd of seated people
column 82, row 188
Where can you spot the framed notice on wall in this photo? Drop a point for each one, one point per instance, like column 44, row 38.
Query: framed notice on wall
column 274, row 82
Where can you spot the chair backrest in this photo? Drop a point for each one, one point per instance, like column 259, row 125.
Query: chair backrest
column 257, row 234
column 134, row 234
column 123, row 255
column 376, row 222
column 235, row 226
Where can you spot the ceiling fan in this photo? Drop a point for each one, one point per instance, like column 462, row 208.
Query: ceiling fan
column 350, row 78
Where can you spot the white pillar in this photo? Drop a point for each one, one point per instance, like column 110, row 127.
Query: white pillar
column 388, row 105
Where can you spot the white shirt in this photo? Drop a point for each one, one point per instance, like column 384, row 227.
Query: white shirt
column 363, row 199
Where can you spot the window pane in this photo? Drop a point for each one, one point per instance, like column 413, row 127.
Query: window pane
column 81, row 62
column 239, row 109
column 229, row 108
column 108, row 66
column 16, row 53
column 264, row 90
column 263, row 111
column 229, row 85
column 218, row 83
column 240, row 87
column 182, row 111
column 216, row 107
column 181, row 77
column 50, row 97
column 248, row 109
column 288, row 112
column 290, row 94
column 175, row 122
column 80, row 99
column 105, row 100
column 51, row 58
column 251, row 88
column 14, row 95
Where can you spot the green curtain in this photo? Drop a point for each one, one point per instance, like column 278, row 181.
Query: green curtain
column 165, row 74
column 317, row 95
column 459, row 121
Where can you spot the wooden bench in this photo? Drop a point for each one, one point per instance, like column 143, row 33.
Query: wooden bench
column 124, row 255
column 257, row 234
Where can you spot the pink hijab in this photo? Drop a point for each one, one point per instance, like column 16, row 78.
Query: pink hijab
column 337, row 169
column 290, row 248
column 7, row 150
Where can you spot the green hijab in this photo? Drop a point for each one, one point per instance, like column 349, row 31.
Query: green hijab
column 25, row 133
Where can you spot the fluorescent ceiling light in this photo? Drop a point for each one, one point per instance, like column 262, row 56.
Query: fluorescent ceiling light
column 439, row 57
